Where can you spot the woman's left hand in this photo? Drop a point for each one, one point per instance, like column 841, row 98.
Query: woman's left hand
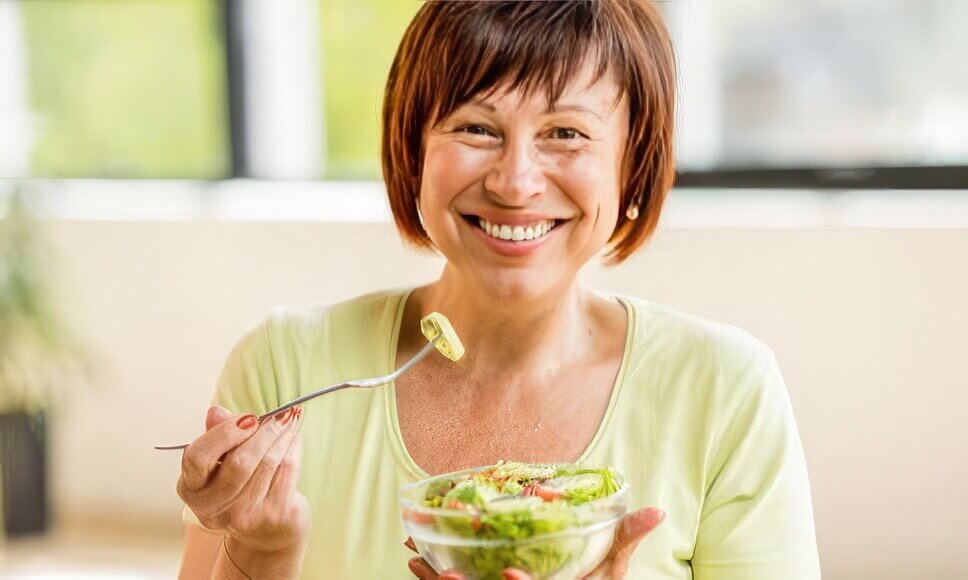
column 633, row 528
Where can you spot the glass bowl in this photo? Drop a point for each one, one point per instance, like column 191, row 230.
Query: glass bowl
column 446, row 539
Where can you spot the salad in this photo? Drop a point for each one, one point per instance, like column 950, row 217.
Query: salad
column 518, row 501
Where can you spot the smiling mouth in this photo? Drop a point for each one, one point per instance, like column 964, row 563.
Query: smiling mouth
column 516, row 233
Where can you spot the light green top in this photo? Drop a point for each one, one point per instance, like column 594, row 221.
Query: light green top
column 699, row 422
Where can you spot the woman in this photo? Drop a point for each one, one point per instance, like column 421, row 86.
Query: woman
column 521, row 139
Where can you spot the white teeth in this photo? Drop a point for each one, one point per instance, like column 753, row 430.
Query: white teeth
column 516, row 233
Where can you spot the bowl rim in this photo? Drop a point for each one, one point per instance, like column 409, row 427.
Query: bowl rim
column 452, row 540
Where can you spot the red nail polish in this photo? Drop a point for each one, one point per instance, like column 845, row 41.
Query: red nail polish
column 247, row 422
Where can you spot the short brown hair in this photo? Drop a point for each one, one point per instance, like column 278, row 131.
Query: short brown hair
column 454, row 51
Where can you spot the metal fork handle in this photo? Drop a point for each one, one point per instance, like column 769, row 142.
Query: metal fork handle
column 359, row 384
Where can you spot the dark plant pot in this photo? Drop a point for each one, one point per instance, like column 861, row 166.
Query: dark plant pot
column 23, row 467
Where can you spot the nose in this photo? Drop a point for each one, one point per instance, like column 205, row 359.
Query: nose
column 517, row 174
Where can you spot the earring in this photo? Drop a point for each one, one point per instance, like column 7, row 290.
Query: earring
column 632, row 212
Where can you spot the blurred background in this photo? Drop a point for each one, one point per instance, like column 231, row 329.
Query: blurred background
column 172, row 169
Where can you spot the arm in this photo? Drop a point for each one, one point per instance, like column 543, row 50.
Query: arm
column 201, row 551
column 757, row 514
column 245, row 493
column 206, row 558
column 226, row 547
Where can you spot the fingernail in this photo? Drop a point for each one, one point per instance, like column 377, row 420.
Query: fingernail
column 246, row 422
column 409, row 543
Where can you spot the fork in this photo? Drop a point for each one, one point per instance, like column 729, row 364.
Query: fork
column 434, row 326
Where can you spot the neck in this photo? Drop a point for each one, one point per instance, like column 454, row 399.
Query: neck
column 541, row 333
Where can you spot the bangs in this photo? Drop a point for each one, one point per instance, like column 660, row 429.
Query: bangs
column 517, row 46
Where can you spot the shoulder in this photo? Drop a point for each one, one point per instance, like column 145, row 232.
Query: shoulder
column 365, row 314
column 294, row 348
column 662, row 327
column 714, row 379
column 718, row 362
column 290, row 335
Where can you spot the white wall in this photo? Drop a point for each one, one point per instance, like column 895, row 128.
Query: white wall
column 867, row 324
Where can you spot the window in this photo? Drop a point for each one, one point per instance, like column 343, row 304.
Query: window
column 848, row 89
column 125, row 89
column 359, row 39
column 773, row 93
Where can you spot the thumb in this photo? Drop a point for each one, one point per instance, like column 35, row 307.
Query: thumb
column 216, row 415
column 636, row 525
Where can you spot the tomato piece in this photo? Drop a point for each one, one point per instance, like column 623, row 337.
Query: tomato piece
column 547, row 494
column 418, row 517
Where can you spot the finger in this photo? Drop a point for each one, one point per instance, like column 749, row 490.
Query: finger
column 287, row 473
column 201, row 457
column 515, row 574
column 241, row 465
column 636, row 526
column 451, row 575
column 421, row 569
column 261, row 482
column 633, row 528
column 409, row 543
column 216, row 414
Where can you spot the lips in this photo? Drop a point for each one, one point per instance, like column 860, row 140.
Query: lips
column 511, row 239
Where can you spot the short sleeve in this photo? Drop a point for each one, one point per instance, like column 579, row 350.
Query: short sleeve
column 247, row 382
column 756, row 520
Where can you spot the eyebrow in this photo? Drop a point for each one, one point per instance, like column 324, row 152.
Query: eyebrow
column 553, row 109
column 575, row 108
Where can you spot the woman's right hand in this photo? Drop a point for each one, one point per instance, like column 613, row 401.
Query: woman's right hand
column 239, row 478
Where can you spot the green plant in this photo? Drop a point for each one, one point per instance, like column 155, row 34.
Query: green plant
column 38, row 357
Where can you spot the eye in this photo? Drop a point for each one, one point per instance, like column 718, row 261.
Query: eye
column 473, row 130
column 565, row 133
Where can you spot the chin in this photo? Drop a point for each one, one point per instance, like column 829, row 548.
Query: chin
column 519, row 284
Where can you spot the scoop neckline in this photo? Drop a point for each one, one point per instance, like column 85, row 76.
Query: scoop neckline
column 390, row 392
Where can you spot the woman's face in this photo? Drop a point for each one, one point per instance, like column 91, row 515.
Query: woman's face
column 519, row 197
